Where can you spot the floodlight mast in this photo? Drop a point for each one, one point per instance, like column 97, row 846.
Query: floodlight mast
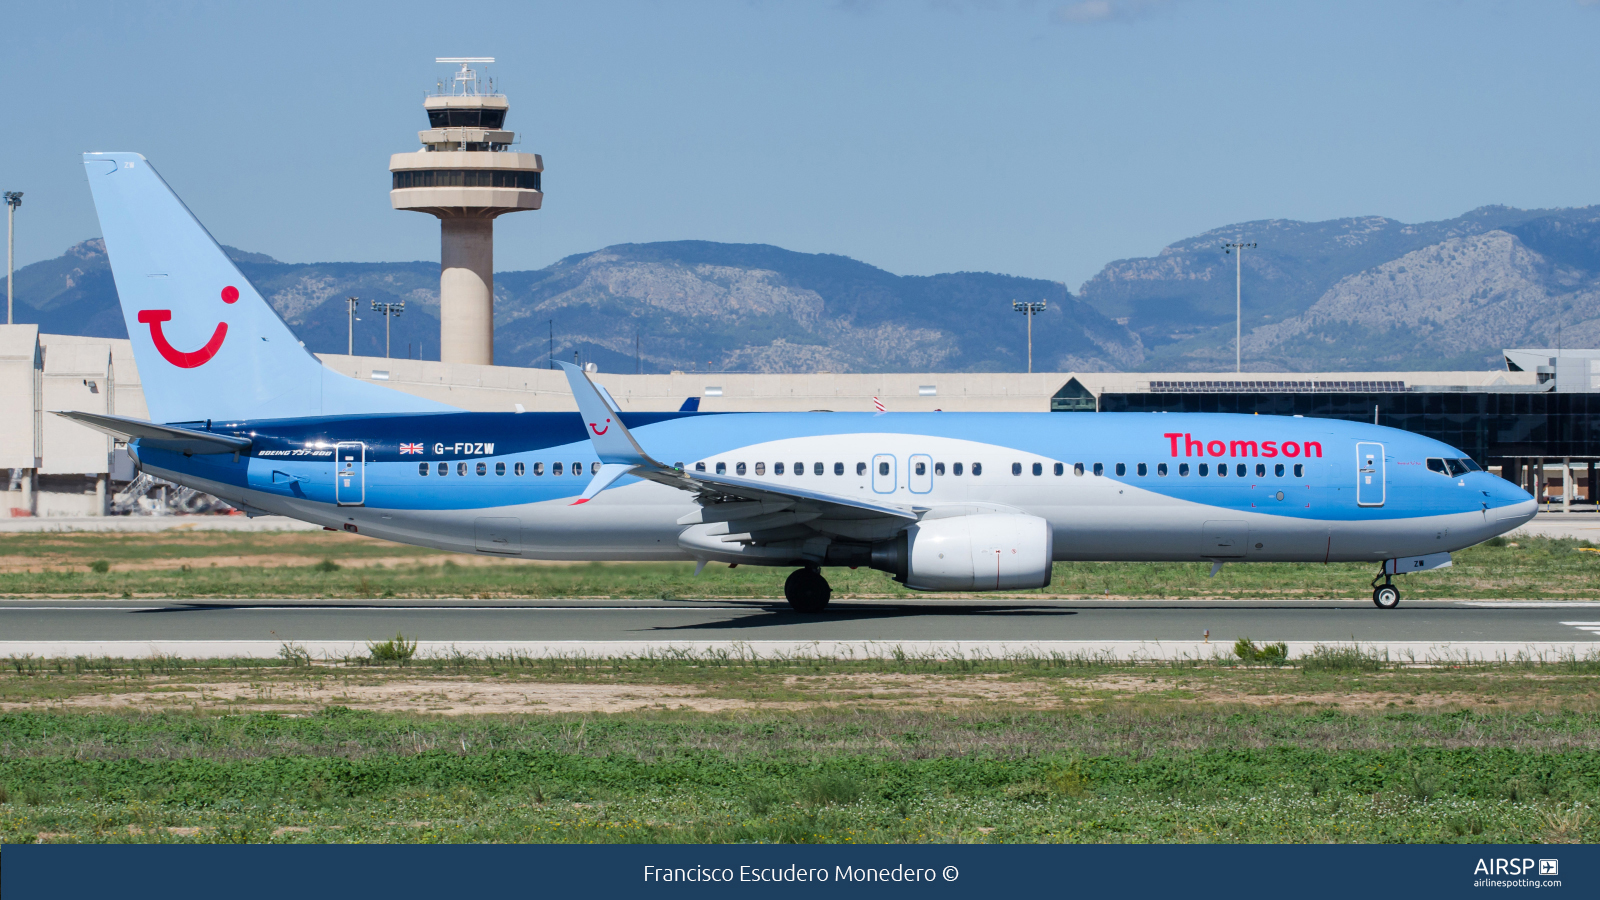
column 1238, row 301
column 1029, row 310
column 389, row 311
column 13, row 200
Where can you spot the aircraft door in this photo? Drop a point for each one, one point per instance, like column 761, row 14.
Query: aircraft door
column 1369, row 474
column 920, row 478
column 350, row 473
column 883, row 473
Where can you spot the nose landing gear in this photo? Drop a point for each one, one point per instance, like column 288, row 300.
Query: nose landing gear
column 807, row 591
column 1386, row 595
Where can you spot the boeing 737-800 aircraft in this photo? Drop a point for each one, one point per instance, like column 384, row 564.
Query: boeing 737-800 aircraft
column 943, row 501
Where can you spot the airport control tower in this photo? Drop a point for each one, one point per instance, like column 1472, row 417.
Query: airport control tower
column 466, row 175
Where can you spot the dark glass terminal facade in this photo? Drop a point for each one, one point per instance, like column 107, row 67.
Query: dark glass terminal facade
column 1490, row 426
column 528, row 181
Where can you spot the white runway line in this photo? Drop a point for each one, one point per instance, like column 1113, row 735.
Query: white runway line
column 1398, row 651
column 1592, row 627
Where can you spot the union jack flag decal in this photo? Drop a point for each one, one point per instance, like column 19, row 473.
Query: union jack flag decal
column 410, row 448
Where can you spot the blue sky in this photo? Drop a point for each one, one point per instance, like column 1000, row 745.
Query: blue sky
column 1033, row 138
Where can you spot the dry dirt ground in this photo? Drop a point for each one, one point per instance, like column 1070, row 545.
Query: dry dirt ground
column 477, row 695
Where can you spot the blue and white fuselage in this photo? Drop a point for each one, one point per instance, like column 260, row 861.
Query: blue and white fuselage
column 945, row 501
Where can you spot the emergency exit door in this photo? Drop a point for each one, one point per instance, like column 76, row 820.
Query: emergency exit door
column 350, row 473
column 1370, row 478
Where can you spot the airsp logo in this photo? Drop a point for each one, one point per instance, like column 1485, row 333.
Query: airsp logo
column 1503, row 866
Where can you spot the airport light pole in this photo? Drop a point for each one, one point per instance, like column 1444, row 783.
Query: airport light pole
column 1029, row 310
column 389, row 311
column 1237, row 249
column 354, row 302
column 13, row 200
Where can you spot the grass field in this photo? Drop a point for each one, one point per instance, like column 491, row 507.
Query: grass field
column 336, row 565
column 1339, row 747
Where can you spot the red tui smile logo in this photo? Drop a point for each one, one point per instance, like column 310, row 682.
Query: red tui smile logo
column 189, row 360
column 599, row 431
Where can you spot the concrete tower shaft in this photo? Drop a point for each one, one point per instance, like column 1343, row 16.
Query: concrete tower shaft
column 466, row 175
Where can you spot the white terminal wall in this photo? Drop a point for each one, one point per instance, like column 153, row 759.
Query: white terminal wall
column 76, row 377
column 20, row 382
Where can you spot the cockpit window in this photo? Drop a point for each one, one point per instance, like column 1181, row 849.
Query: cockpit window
column 1471, row 466
column 1437, row 465
column 1456, row 467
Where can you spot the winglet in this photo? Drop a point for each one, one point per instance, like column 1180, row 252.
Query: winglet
column 611, row 440
column 606, row 477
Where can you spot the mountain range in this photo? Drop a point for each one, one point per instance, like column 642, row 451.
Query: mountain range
column 1349, row 294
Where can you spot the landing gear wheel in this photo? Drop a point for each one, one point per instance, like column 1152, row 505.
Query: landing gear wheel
column 1386, row 596
column 807, row 591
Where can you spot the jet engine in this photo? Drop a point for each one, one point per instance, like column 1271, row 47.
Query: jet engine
column 984, row 552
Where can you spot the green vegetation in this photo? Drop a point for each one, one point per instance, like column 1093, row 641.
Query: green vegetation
column 326, row 564
column 813, row 751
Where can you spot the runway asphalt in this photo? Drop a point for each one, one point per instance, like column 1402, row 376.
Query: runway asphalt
column 1151, row 628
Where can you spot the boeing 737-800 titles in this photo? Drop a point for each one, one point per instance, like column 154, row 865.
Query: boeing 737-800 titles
column 943, row 501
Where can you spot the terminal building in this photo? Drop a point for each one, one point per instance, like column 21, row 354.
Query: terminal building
column 1537, row 423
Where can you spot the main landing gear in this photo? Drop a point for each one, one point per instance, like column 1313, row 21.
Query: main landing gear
column 807, row 591
column 1386, row 595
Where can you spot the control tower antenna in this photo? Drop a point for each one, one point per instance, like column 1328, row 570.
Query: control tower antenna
column 466, row 175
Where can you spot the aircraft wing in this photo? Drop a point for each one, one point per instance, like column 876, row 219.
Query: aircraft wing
column 161, row 437
column 620, row 454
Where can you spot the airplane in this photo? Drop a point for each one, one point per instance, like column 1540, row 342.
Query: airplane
column 943, row 501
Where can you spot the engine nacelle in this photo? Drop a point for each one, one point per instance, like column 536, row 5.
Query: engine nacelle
column 985, row 552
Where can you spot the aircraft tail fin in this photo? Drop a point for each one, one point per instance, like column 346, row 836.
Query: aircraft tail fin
column 207, row 344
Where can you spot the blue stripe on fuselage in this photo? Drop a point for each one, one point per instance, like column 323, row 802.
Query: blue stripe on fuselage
column 279, row 460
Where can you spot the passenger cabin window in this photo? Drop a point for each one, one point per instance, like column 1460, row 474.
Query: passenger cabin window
column 555, row 468
column 1240, row 470
column 461, row 468
column 1122, row 469
column 1077, row 468
column 698, row 467
column 1099, row 469
column 1161, row 469
column 761, row 468
column 1143, row 470
column 444, row 469
column 538, row 469
column 1261, row 470
column 1222, row 470
column 1299, row 470
column 777, row 468
column 738, row 468
column 1183, row 470
column 838, row 468
column 861, row 468
column 483, row 469
column 594, row 468
column 722, row 468
column 938, row 468
column 518, row 469
column 422, row 468
column 499, row 468
column 1204, row 470
column 1016, row 468
column 977, row 469
column 577, row 468
column 1038, row 468
column 921, row 468
column 1278, row 470
column 955, row 469
column 816, row 468
column 883, row 468
column 1060, row 469
column 799, row 468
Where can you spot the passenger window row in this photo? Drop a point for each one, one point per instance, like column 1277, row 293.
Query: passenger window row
column 500, row 468
column 1240, row 470
column 799, row 468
